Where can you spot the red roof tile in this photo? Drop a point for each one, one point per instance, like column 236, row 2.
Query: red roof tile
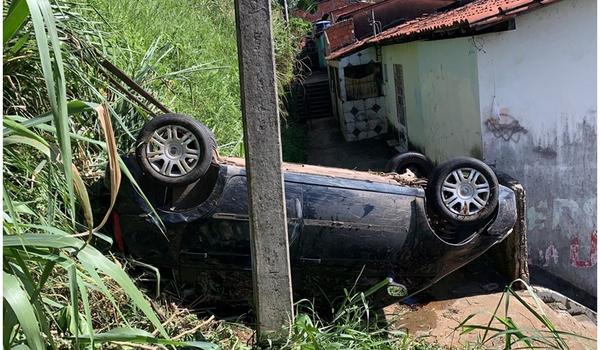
column 471, row 16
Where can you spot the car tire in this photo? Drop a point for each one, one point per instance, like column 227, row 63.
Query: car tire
column 416, row 162
column 463, row 190
column 175, row 149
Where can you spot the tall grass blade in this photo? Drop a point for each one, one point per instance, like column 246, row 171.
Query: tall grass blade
column 15, row 18
column 113, row 160
column 86, row 308
column 17, row 299
column 8, row 204
column 73, row 292
column 91, row 259
column 12, row 127
column 9, row 324
column 73, row 108
column 45, row 27
column 84, row 200
column 24, row 140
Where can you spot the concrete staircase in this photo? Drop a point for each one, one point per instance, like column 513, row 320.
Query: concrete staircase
column 314, row 100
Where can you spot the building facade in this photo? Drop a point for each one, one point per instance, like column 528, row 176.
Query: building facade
column 521, row 95
column 537, row 102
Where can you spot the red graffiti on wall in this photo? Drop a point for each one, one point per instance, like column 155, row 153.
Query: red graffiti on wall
column 574, row 252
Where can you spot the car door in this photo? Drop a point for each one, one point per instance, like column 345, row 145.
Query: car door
column 352, row 229
column 222, row 241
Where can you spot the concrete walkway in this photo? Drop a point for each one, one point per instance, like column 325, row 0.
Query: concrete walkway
column 326, row 146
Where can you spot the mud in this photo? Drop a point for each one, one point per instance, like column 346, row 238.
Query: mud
column 437, row 320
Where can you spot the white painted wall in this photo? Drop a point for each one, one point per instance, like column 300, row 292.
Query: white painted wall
column 543, row 76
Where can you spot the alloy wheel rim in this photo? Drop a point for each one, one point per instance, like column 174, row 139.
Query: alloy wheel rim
column 173, row 151
column 465, row 191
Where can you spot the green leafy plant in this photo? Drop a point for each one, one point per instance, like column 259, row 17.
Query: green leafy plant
column 47, row 215
column 353, row 326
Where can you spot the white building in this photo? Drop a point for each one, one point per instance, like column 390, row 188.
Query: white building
column 515, row 87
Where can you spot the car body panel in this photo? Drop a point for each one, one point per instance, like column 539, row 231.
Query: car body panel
column 342, row 233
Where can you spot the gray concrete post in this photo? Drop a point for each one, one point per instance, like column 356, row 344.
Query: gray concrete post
column 268, row 226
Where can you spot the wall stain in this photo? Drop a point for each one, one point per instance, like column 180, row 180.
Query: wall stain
column 550, row 256
column 546, row 152
column 505, row 126
column 561, row 192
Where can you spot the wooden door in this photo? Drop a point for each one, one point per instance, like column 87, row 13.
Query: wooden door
column 400, row 107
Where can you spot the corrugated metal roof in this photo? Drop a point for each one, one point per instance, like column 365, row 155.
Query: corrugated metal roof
column 390, row 13
column 323, row 8
column 470, row 17
column 344, row 11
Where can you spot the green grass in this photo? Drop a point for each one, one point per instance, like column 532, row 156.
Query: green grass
column 185, row 53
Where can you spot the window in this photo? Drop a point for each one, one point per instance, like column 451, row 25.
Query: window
column 363, row 81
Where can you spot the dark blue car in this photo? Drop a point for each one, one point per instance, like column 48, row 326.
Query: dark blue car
column 346, row 228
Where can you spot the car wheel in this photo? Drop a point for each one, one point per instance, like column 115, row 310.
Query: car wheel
column 463, row 190
column 413, row 161
column 175, row 149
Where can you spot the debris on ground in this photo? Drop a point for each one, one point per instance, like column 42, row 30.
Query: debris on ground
column 406, row 179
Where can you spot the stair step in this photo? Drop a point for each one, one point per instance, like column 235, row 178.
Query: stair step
column 323, row 99
column 318, row 99
column 316, row 94
column 319, row 104
column 317, row 87
column 314, row 90
column 319, row 108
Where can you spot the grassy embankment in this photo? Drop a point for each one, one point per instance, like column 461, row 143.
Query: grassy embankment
column 185, row 52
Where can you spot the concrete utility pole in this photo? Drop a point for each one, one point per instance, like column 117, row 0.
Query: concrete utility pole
column 268, row 224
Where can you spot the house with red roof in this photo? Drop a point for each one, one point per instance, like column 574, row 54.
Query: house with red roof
column 512, row 82
column 356, row 77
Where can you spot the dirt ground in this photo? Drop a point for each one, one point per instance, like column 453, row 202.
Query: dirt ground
column 437, row 320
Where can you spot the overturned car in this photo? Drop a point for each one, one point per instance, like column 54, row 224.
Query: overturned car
column 346, row 228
